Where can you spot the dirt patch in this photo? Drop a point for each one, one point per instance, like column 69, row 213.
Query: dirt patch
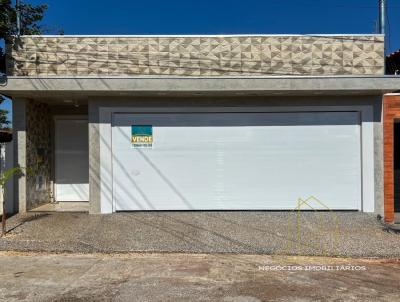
column 192, row 277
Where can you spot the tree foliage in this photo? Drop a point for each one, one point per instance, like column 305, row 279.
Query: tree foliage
column 30, row 14
column 2, row 60
column 7, row 174
column 30, row 17
column 4, row 122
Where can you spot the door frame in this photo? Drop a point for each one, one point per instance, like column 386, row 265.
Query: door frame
column 56, row 118
column 367, row 142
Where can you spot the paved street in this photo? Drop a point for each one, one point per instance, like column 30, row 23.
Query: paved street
column 193, row 277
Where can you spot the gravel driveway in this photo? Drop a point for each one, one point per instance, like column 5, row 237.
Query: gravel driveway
column 193, row 277
column 349, row 234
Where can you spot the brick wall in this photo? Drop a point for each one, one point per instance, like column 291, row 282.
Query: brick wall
column 391, row 112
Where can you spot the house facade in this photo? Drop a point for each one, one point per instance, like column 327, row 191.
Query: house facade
column 245, row 122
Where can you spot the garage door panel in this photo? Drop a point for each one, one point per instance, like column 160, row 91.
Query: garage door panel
column 220, row 119
column 237, row 161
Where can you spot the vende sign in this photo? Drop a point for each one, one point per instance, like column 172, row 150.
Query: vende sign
column 141, row 136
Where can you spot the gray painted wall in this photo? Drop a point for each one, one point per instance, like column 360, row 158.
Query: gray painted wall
column 346, row 101
column 19, row 139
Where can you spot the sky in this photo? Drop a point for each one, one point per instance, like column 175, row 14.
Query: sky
column 219, row 17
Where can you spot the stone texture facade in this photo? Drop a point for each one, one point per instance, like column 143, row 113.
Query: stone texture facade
column 38, row 154
column 196, row 55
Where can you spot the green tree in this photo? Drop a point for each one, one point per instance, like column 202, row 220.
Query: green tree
column 2, row 61
column 30, row 16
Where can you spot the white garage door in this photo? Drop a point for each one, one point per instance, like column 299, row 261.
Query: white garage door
column 232, row 161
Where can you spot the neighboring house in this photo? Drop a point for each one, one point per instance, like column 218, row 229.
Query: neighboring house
column 393, row 63
column 7, row 162
column 242, row 122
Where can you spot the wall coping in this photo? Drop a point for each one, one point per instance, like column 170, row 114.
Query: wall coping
column 150, row 85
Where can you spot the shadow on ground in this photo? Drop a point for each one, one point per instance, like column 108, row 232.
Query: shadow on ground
column 350, row 234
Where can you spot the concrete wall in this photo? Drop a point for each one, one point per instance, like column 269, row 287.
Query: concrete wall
column 196, row 55
column 94, row 158
column 373, row 158
column 19, row 141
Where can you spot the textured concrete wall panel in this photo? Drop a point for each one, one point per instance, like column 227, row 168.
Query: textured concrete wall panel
column 196, row 56
column 38, row 154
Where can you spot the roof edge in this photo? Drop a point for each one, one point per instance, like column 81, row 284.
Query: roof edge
column 116, row 86
column 205, row 35
column 172, row 77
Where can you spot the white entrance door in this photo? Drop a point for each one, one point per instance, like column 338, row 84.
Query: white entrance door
column 71, row 160
column 235, row 161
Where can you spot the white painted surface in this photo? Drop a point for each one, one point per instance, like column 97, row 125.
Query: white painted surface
column 237, row 161
column 71, row 160
column 368, row 161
